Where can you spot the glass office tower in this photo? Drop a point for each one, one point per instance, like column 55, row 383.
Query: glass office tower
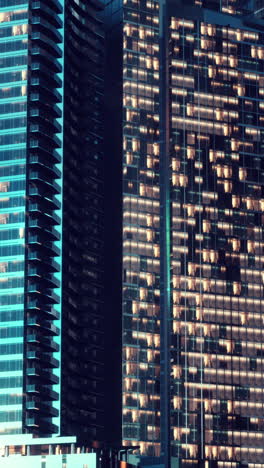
column 141, row 226
column 216, row 153
column 192, row 159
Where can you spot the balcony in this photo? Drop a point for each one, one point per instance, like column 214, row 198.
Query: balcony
column 54, row 4
column 32, row 423
column 40, row 274
column 39, row 116
column 48, row 248
column 41, row 146
column 47, row 392
column 37, row 257
column 44, row 217
column 48, row 327
column 50, row 108
column 43, row 57
column 39, row 69
column 43, row 149
column 47, row 310
column 42, row 132
column 39, row 242
column 43, row 9
column 37, row 177
column 51, row 201
column 43, row 86
column 50, row 232
column 45, row 42
column 43, row 408
column 49, row 217
column 39, row 24
column 44, row 295
column 37, row 422
column 37, row 339
column 45, row 358
column 44, row 375
column 42, row 163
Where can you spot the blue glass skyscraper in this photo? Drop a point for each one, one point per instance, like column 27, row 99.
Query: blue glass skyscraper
column 41, row 94
column 30, row 212
column 13, row 107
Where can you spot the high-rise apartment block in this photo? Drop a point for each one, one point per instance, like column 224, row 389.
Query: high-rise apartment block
column 51, row 59
column 192, row 157
column 30, row 219
column 83, row 392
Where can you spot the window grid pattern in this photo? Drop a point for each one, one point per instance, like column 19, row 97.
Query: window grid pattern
column 217, row 174
column 13, row 114
column 141, row 224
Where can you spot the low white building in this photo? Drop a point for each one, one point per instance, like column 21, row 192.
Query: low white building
column 23, row 451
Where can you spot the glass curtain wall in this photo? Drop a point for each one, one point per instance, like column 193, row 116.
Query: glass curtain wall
column 30, row 212
column 13, row 141
column 217, row 175
column 141, row 226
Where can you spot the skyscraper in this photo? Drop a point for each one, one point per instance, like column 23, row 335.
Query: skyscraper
column 30, row 180
column 51, row 59
column 82, row 382
column 191, row 125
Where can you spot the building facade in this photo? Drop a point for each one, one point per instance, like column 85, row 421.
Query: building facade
column 216, row 146
column 82, row 377
column 30, row 213
column 27, row 451
column 51, row 452
column 192, row 201
column 181, row 183
column 51, row 78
